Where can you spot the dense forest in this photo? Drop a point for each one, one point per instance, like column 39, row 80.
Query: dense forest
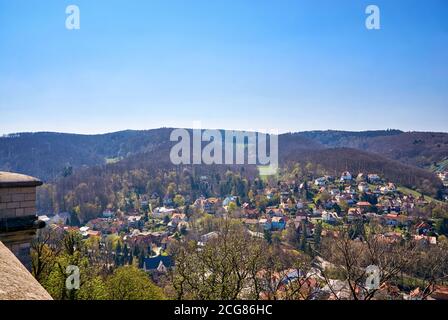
column 49, row 155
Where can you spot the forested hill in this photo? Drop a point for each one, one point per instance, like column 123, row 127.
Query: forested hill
column 49, row 155
column 54, row 155
column 427, row 150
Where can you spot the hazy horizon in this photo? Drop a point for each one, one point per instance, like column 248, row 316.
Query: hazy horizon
column 204, row 128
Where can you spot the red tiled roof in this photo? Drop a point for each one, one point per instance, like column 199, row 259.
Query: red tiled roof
column 363, row 204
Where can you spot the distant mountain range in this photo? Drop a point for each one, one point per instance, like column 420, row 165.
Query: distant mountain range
column 406, row 157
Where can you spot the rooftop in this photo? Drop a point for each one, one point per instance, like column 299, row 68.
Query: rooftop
column 16, row 180
column 154, row 262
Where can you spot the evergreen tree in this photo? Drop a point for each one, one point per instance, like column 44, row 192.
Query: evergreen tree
column 74, row 220
column 303, row 238
column 238, row 203
column 292, row 235
column 441, row 226
column 183, row 230
column 268, row 236
column 317, row 236
column 125, row 254
column 136, row 251
column 118, row 255
column 357, row 230
column 309, row 250
column 141, row 259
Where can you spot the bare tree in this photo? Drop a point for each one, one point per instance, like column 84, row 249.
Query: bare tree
column 352, row 257
column 237, row 265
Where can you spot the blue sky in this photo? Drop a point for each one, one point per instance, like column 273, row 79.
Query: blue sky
column 233, row 64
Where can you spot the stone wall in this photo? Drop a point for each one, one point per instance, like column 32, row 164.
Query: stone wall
column 16, row 283
column 17, row 202
column 18, row 220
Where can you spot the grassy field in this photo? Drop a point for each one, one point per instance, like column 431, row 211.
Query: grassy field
column 440, row 166
column 416, row 194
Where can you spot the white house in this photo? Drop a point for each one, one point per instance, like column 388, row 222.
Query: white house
column 60, row 218
column 363, row 187
column 346, row 176
column 320, row 181
column 373, row 178
column 330, row 216
column 83, row 231
column 335, row 192
column 208, row 236
column 44, row 218
column 228, row 200
column 265, row 223
column 108, row 213
column 390, row 187
column 161, row 212
column 444, row 177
